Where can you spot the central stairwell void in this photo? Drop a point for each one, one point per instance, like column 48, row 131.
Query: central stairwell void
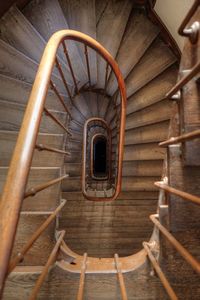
column 80, row 155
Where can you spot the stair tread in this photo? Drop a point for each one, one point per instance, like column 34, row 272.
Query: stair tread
column 47, row 17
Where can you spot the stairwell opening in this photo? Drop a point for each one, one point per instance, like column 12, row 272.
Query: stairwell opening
column 99, row 157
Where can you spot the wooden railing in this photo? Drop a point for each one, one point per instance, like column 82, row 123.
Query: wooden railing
column 14, row 189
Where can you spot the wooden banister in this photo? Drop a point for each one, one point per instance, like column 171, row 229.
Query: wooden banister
column 88, row 65
column 63, row 78
column 121, row 278
column 38, row 188
column 17, row 177
column 171, row 190
column 82, row 278
column 34, row 237
column 50, row 261
column 183, row 252
column 160, row 273
column 181, row 138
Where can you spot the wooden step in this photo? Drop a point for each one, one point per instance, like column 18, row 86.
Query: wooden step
column 71, row 184
column 28, row 223
column 80, row 102
column 73, row 169
column 76, row 115
column 17, row 65
column 92, row 103
column 46, row 200
column 80, row 16
column 139, row 183
column 18, row 91
column 11, row 115
column 138, row 36
column 40, row 158
column 153, row 92
column 113, row 19
column 47, row 17
column 150, row 151
column 157, row 59
column 74, row 145
column 142, row 168
column 155, row 113
column 187, row 179
column 147, row 134
column 103, row 103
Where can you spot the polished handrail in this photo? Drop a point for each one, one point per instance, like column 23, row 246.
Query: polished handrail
column 88, row 65
column 171, row 190
column 194, row 71
column 160, row 273
column 181, row 138
column 50, row 261
column 182, row 29
column 53, row 87
column 22, row 157
column 20, row 256
column 177, row 245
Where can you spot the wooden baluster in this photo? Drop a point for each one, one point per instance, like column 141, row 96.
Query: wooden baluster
column 160, row 273
column 70, row 65
column 121, row 278
column 41, row 147
column 88, row 65
column 82, row 278
column 50, row 261
column 63, row 78
column 33, row 238
column 48, row 113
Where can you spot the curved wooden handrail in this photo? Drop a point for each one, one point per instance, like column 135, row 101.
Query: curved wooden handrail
column 15, row 185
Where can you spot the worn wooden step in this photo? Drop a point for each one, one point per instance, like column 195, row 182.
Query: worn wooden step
column 74, row 145
column 150, row 151
column 18, row 91
column 81, row 16
column 155, row 113
column 17, row 65
column 142, row 168
column 19, row 33
column 103, row 103
column 71, row 184
column 74, row 157
column 80, row 103
column 76, row 115
column 28, row 223
column 153, row 92
column 139, row 183
column 91, row 99
column 11, row 115
column 113, row 19
column 147, row 134
column 73, row 169
column 138, row 36
column 47, row 17
column 46, row 200
column 40, row 158
column 157, row 59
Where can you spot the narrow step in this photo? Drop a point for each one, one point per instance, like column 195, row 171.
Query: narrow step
column 72, row 184
column 81, row 16
column 40, row 158
column 153, row 92
column 157, row 59
column 155, row 113
column 73, row 169
column 41, row 249
column 113, row 19
column 150, row 151
column 47, row 17
column 18, row 91
column 138, row 36
column 11, row 115
column 137, row 183
column 142, row 168
column 17, row 65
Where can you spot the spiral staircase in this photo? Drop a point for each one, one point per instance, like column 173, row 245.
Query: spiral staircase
column 88, row 229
